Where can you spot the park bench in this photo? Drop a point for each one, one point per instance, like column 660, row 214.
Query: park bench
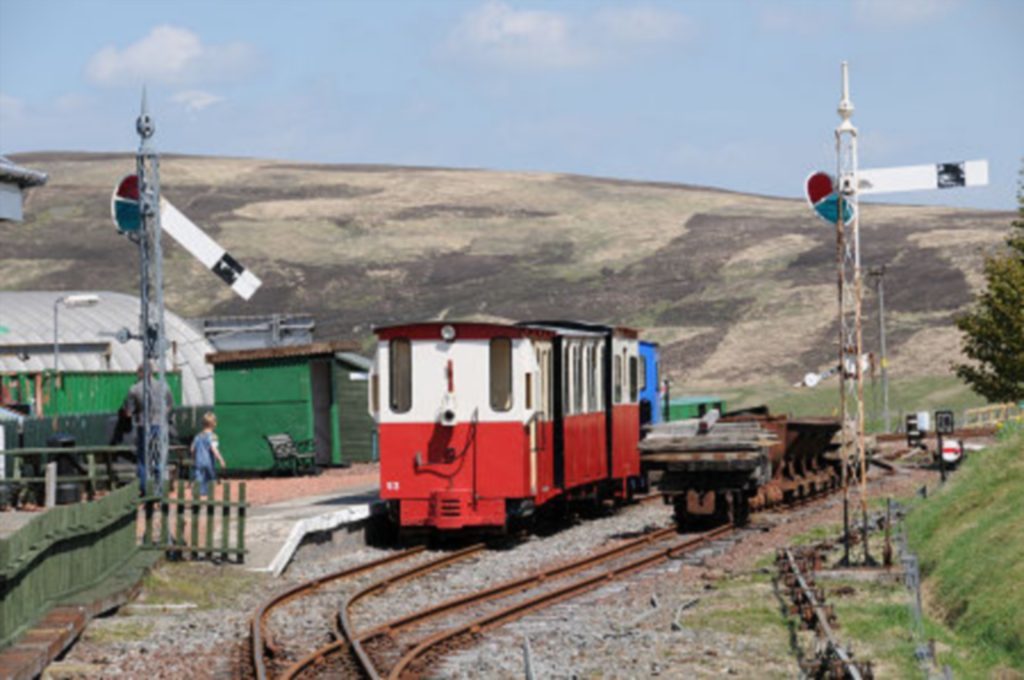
column 290, row 455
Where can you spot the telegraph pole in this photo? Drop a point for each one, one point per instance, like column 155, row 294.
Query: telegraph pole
column 151, row 294
column 878, row 273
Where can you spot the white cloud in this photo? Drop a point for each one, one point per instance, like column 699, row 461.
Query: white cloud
column 170, row 55
column 899, row 13
column 11, row 108
column 802, row 19
column 498, row 33
column 195, row 100
column 495, row 33
column 644, row 25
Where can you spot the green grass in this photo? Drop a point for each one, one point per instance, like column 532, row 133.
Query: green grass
column 970, row 539
column 204, row 585
column 906, row 395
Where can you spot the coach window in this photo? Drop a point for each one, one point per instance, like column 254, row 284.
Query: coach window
column 577, row 383
column 400, row 375
column 633, row 380
column 591, row 380
column 643, row 373
column 501, row 374
column 618, row 379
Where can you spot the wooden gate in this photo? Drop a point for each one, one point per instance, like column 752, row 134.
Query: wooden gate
column 187, row 525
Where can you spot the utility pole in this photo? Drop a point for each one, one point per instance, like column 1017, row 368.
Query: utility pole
column 878, row 273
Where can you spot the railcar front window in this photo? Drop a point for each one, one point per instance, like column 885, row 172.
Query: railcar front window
column 400, row 375
column 501, row 374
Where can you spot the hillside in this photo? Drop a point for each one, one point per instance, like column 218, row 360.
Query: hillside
column 739, row 289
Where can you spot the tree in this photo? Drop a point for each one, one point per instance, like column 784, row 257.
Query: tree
column 993, row 329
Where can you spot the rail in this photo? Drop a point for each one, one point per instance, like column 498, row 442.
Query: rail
column 578, row 587
column 815, row 613
column 261, row 640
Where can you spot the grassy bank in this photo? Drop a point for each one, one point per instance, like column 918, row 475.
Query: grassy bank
column 905, row 395
column 970, row 539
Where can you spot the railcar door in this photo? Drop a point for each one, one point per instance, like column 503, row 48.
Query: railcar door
column 539, row 389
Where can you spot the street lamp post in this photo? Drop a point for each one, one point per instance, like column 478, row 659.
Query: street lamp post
column 85, row 300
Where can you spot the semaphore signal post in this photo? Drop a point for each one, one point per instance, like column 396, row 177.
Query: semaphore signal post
column 835, row 199
column 141, row 214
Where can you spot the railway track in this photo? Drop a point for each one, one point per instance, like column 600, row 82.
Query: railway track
column 370, row 650
column 263, row 644
column 378, row 651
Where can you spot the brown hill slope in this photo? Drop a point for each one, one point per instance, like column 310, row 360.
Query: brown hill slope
column 738, row 288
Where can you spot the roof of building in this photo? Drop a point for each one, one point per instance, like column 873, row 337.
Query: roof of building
column 357, row 361
column 284, row 352
column 87, row 339
column 12, row 173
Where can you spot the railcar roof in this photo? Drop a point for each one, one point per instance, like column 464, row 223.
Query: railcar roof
column 464, row 330
column 602, row 329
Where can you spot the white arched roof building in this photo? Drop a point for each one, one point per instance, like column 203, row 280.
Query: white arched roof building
column 87, row 341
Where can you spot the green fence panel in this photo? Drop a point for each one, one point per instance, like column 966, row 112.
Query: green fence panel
column 63, row 551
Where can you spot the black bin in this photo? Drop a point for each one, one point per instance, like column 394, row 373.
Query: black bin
column 67, row 492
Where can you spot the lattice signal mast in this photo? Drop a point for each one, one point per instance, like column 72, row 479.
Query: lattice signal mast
column 850, row 279
column 151, row 295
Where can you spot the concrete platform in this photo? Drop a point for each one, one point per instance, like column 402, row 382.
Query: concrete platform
column 274, row 532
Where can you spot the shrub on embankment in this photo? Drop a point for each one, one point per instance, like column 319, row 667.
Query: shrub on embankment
column 970, row 540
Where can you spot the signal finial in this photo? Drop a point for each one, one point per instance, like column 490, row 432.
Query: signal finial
column 144, row 123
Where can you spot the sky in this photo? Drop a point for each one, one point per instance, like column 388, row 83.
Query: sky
column 731, row 94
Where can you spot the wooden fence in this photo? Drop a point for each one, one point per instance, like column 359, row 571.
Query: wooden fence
column 61, row 552
column 185, row 524
column 991, row 415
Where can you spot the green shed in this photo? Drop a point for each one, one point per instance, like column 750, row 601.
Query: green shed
column 684, row 408
column 315, row 392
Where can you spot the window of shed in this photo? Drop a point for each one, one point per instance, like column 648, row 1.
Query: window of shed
column 400, row 375
column 501, row 374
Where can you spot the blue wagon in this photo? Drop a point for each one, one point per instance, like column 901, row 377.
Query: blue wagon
column 650, row 393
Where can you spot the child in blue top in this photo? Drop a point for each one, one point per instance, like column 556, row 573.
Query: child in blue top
column 204, row 449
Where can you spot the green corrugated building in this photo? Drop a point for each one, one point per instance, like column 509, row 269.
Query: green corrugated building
column 73, row 392
column 313, row 392
column 683, row 408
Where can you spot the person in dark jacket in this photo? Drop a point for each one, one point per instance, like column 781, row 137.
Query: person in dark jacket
column 134, row 408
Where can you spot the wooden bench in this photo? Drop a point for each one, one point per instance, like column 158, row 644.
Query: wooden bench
column 290, row 455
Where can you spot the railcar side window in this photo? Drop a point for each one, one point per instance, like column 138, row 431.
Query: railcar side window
column 643, row 373
column 400, row 375
column 591, row 380
column 501, row 374
column 633, row 382
column 618, row 379
column 577, row 383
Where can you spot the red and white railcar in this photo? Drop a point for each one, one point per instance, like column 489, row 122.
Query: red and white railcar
column 480, row 423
